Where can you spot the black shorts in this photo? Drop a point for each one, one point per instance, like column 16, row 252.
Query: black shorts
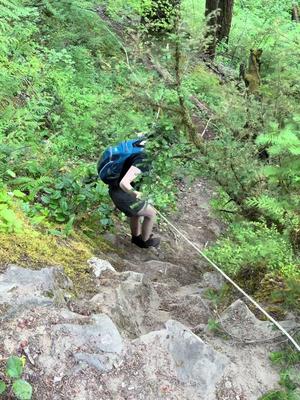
column 125, row 202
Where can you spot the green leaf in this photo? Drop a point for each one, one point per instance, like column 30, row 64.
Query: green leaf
column 19, row 194
column 55, row 232
column 213, row 325
column 2, row 387
column 22, row 389
column 14, row 367
column 10, row 173
column 60, row 218
column 56, row 195
column 276, row 357
column 294, row 395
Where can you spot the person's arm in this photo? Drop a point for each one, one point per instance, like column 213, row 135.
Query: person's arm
column 125, row 183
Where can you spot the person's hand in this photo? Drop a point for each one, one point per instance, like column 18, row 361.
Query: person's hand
column 138, row 195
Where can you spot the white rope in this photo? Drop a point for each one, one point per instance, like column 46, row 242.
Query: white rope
column 232, row 282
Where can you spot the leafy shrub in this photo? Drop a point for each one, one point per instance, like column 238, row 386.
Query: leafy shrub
column 289, row 296
column 20, row 387
column 254, row 245
column 9, row 221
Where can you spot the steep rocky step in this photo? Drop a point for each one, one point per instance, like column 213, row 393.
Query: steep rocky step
column 73, row 356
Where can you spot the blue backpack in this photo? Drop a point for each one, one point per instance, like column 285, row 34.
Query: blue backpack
column 112, row 161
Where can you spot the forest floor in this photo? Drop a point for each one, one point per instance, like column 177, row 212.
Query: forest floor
column 146, row 330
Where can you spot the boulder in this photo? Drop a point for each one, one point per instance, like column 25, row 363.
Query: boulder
column 182, row 354
column 129, row 301
column 99, row 266
column 241, row 323
column 96, row 343
column 21, row 286
column 213, row 280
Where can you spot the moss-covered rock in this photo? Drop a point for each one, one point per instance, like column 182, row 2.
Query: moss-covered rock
column 36, row 250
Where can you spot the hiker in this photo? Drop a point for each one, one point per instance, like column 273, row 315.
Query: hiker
column 119, row 167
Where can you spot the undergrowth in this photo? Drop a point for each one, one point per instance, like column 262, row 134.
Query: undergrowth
column 288, row 360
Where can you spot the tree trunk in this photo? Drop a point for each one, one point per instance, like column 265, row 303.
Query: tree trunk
column 219, row 23
column 224, row 19
column 295, row 13
column 211, row 7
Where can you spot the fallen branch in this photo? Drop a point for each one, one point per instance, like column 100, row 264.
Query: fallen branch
column 206, row 126
column 162, row 72
column 154, row 104
column 226, row 211
column 201, row 106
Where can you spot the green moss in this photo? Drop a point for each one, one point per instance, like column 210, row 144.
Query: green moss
column 276, row 312
column 34, row 249
column 249, row 277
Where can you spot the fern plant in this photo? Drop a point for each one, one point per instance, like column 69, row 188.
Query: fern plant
column 283, row 145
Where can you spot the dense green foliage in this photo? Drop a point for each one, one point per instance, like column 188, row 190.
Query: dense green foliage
column 254, row 244
column 66, row 93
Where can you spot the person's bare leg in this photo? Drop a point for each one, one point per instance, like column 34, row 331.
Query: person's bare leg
column 149, row 215
column 135, row 226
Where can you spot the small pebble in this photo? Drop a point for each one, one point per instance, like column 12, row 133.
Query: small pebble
column 228, row 385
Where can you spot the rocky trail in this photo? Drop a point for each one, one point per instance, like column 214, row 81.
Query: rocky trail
column 143, row 332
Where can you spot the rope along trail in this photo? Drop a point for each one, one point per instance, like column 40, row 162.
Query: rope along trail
column 231, row 281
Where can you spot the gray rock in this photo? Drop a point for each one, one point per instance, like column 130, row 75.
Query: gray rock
column 193, row 362
column 185, row 304
column 102, row 363
column 25, row 286
column 100, row 336
column 99, row 266
column 44, row 279
column 129, row 301
column 240, row 322
column 215, row 228
column 196, row 362
column 130, row 276
column 97, row 344
column 212, row 280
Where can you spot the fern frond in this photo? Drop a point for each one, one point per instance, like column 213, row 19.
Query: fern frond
column 32, row 185
column 269, row 205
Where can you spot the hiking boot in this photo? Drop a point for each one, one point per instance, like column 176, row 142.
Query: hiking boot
column 151, row 242
column 137, row 240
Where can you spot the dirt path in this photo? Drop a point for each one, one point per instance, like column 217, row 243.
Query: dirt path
column 193, row 218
